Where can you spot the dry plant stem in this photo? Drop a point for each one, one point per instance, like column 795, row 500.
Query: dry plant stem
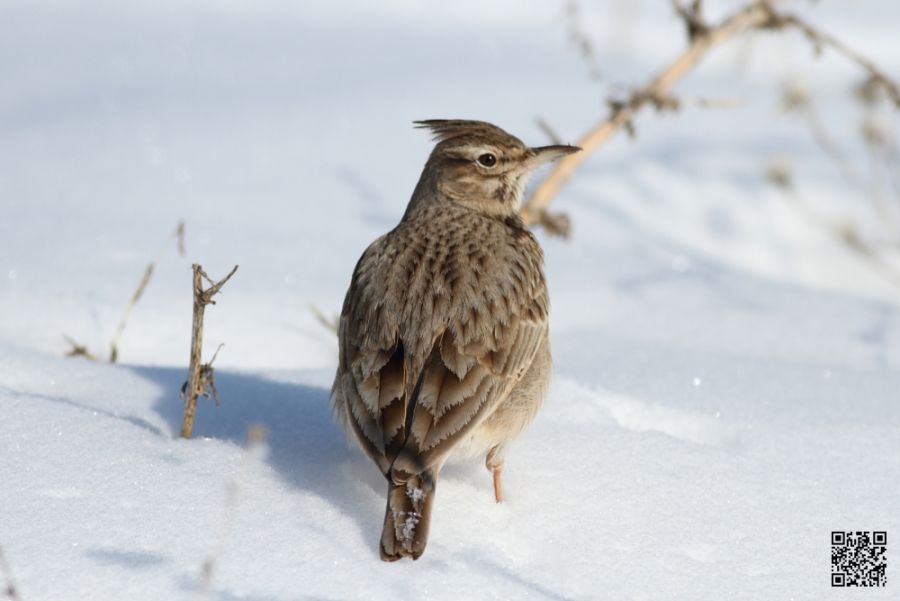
column 881, row 149
column 79, row 350
column 657, row 91
column 330, row 324
column 880, row 205
column 821, row 40
column 549, row 131
column 849, row 237
column 581, row 40
column 114, row 345
column 192, row 390
column 178, row 237
column 830, row 147
column 10, row 590
column 883, row 209
column 195, row 383
column 758, row 15
column 891, row 158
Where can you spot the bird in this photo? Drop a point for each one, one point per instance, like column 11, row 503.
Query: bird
column 443, row 334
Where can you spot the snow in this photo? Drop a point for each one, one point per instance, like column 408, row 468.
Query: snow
column 726, row 374
column 416, row 494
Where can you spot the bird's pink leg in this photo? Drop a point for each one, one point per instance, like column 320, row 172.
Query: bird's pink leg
column 498, row 486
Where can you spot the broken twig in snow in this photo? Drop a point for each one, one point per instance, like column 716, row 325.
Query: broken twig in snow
column 200, row 380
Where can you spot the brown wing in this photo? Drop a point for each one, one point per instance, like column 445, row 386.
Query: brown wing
column 459, row 390
column 452, row 394
column 437, row 328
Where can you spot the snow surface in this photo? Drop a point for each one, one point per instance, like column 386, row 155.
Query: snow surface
column 726, row 375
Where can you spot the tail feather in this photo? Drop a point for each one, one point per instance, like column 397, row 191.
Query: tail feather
column 407, row 517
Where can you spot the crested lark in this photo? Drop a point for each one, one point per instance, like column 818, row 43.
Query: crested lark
column 443, row 333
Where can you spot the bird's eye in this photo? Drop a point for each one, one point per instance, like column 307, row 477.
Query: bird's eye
column 487, row 160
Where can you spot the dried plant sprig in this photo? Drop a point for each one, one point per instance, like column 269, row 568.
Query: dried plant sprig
column 200, row 380
column 656, row 92
column 755, row 16
column 178, row 237
column 581, row 40
column 846, row 233
column 796, row 99
column 548, row 130
column 135, row 297
column 821, row 40
column 693, row 19
column 78, row 350
column 330, row 323
column 207, row 379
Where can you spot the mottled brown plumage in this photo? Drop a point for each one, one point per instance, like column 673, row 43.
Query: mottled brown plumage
column 443, row 333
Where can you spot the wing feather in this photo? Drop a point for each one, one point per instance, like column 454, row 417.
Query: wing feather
column 429, row 345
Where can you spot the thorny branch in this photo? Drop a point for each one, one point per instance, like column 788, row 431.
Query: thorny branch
column 702, row 37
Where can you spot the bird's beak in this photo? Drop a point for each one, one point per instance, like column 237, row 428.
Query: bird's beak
column 545, row 154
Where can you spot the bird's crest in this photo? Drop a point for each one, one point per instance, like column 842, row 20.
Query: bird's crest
column 449, row 129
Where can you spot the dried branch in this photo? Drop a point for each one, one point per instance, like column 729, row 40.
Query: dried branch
column 883, row 152
column 200, row 380
column 114, row 345
column 581, row 40
column 713, row 103
column 557, row 224
column 10, row 591
column 178, row 237
column 79, row 350
column 656, row 92
column 758, row 15
column 548, row 130
column 843, row 231
column 821, row 40
column 795, row 99
column 881, row 144
column 330, row 324
column 693, row 19
column 207, row 379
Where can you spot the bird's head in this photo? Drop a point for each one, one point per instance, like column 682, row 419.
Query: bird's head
column 480, row 166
